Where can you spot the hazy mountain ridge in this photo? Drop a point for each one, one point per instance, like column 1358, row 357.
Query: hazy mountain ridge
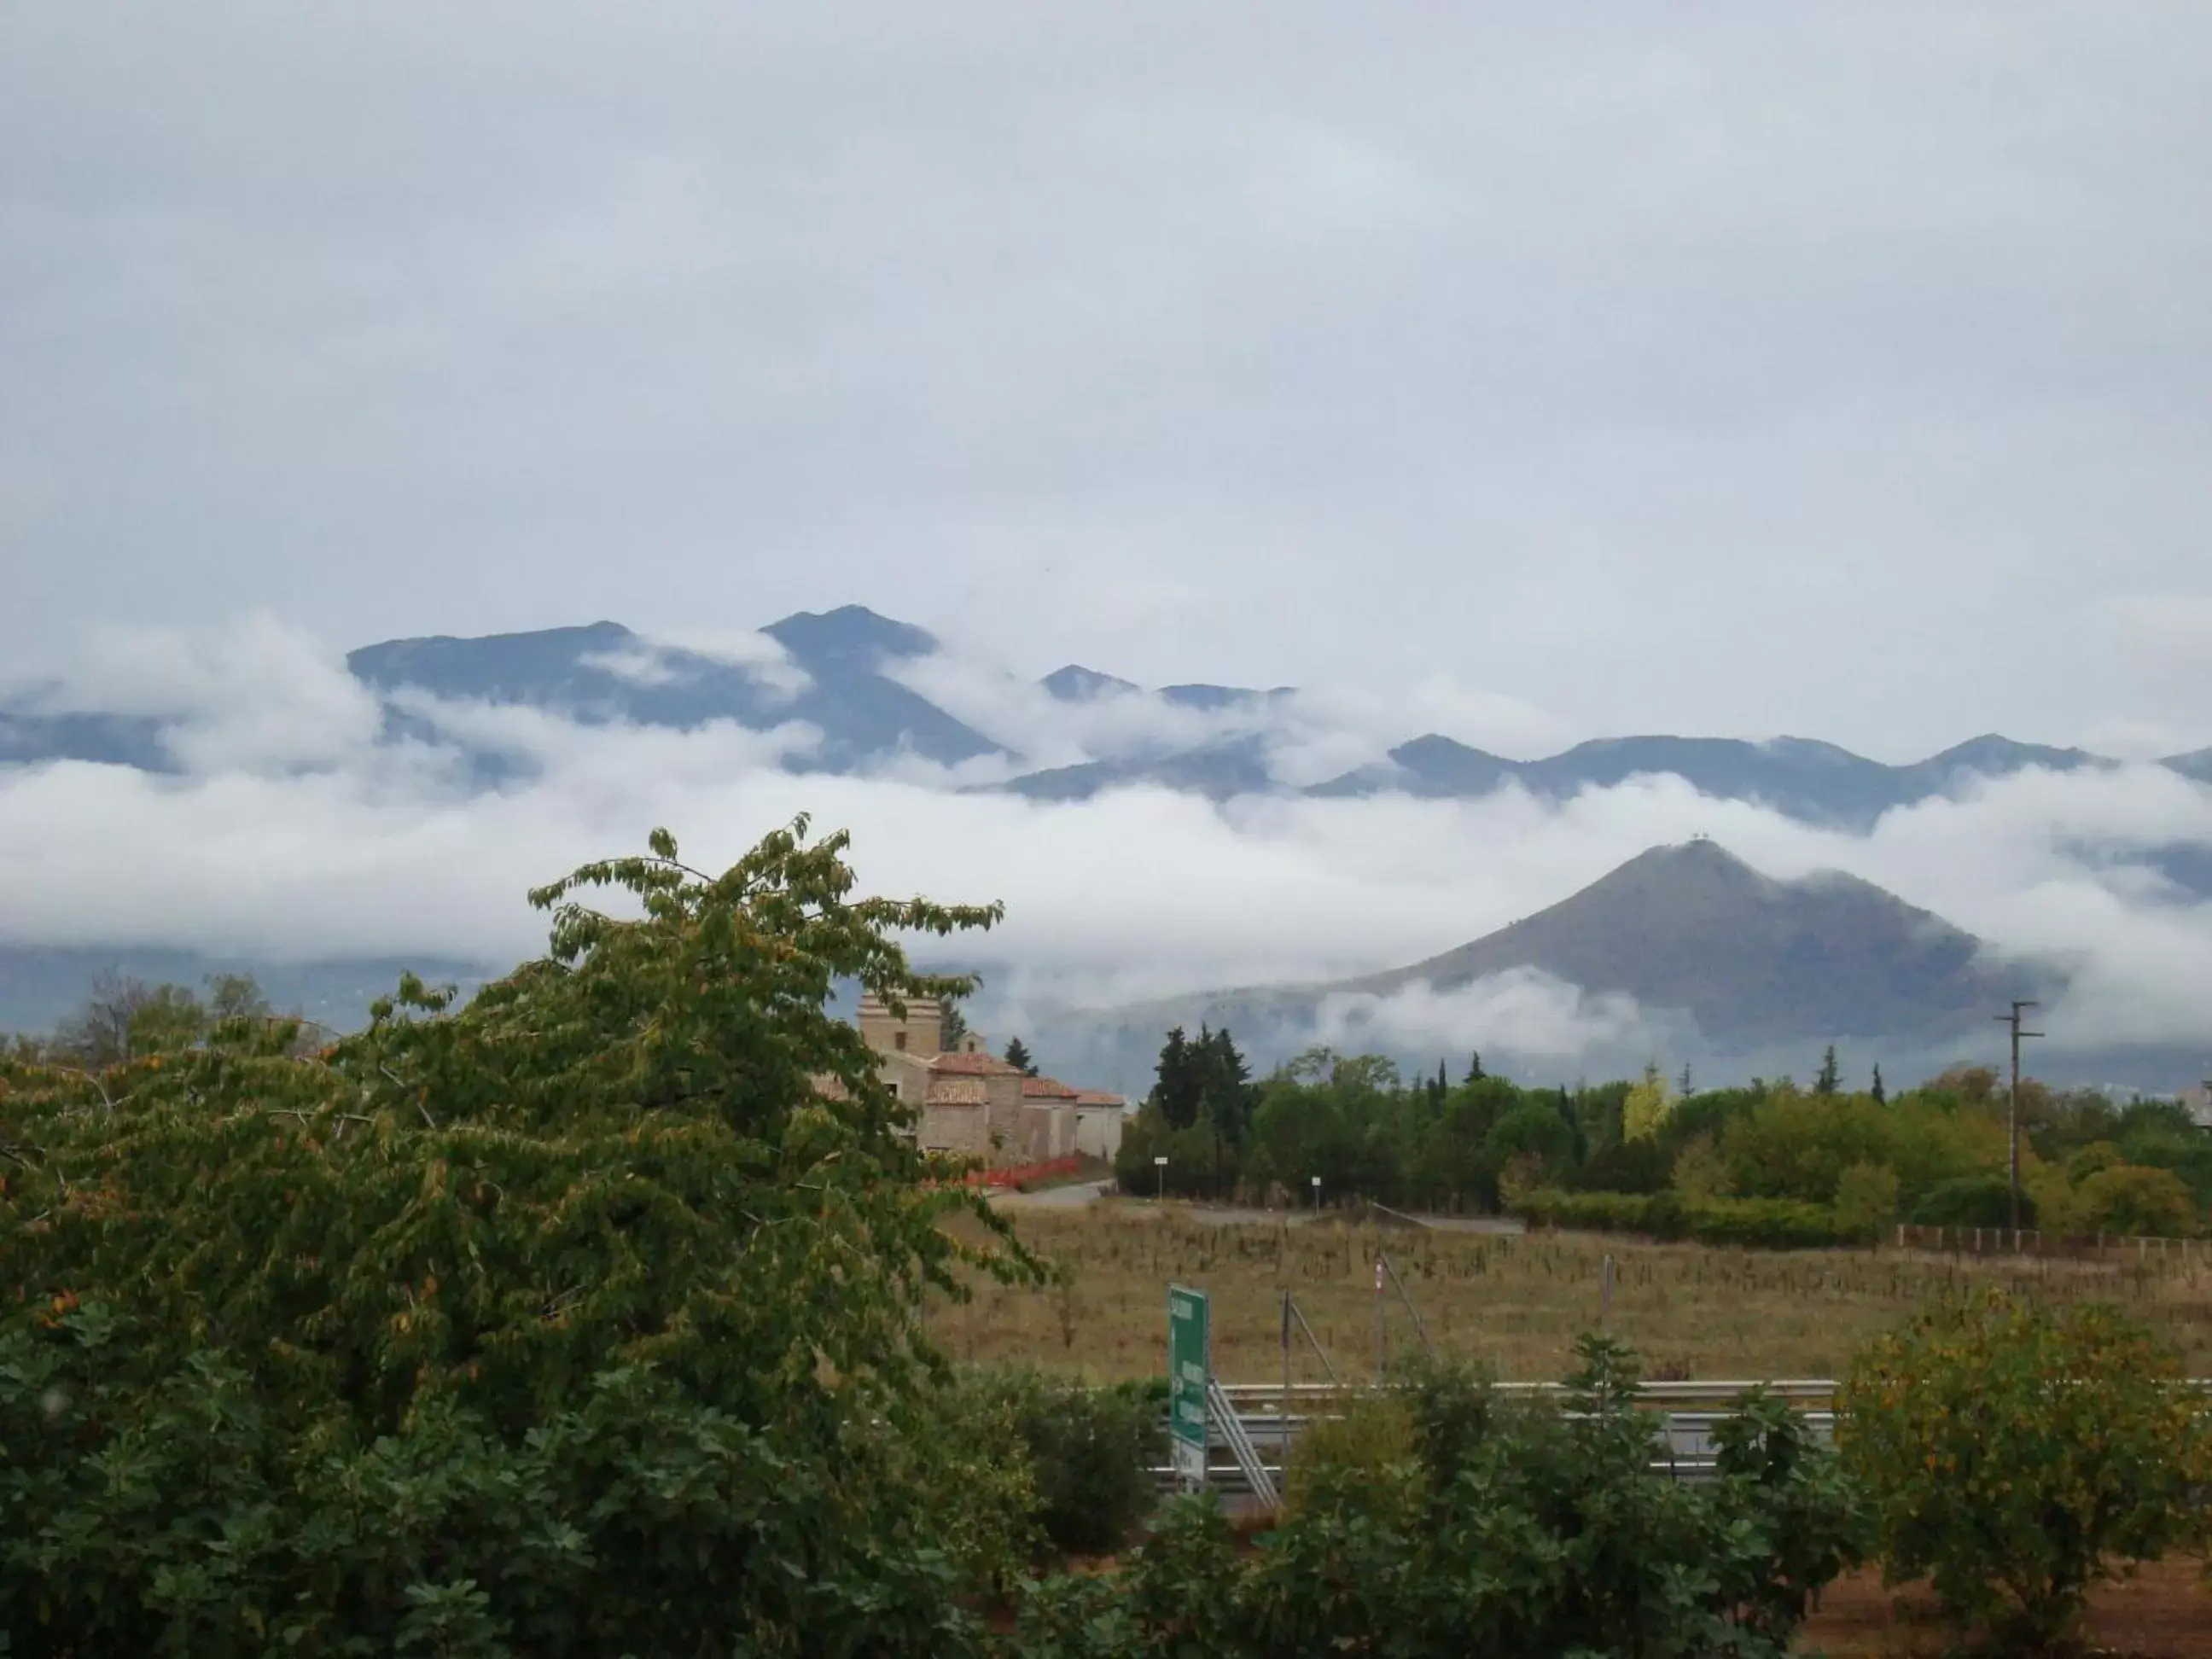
column 1694, row 930
column 834, row 671
column 41, row 985
column 1753, row 960
column 1726, row 967
column 606, row 672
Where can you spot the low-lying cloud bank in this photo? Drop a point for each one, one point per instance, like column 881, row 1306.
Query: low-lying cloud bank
column 298, row 828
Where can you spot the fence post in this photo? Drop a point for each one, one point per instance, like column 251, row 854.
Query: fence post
column 1381, row 1335
column 1605, row 1296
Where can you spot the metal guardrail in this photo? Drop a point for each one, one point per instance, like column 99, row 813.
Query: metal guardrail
column 1803, row 1393
column 1688, row 1413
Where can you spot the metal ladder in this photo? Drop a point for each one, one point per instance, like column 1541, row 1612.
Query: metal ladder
column 1223, row 1412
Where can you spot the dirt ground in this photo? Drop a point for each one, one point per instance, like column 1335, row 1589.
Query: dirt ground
column 2164, row 1613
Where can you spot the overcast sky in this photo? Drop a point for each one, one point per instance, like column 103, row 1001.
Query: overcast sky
column 1838, row 369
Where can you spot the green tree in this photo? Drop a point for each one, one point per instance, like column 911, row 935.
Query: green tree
column 1866, row 1198
column 2015, row 1457
column 952, row 1026
column 1830, row 1079
column 1643, row 1113
column 2131, row 1200
column 1017, row 1056
column 1178, row 1080
column 1226, row 1096
column 1880, row 1094
column 584, row 1313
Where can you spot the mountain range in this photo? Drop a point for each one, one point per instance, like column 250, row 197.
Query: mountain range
column 838, row 674
column 42, row 985
column 1735, row 960
column 1717, row 959
column 1684, row 955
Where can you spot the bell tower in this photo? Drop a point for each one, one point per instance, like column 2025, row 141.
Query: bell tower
column 919, row 1034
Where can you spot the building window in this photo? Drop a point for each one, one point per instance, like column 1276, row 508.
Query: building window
column 898, row 1040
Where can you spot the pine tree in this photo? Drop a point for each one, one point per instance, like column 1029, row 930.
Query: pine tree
column 1179, row 1082
column 1682, row 1083
column 1017, row 1056
column 1226, row 1094
column 1830, row 1078
column 1881, row 1094
column 1474, row 1071
column 952, row 1026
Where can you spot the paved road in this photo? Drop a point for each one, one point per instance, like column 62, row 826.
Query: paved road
column 1081, row 1195
column 1072, row 1197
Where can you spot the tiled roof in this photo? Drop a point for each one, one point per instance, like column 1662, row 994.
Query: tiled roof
column 1097, row 1097
column 971, row 1065
column 958, row 1092
column 1047, row 1088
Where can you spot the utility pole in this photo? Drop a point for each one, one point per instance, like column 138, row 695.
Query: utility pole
column 2012, row 1115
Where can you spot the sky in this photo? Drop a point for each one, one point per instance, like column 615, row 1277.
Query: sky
column 1525, row 373
column 1836, row 371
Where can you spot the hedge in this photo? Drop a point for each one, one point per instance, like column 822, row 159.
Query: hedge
column 1777, row 1223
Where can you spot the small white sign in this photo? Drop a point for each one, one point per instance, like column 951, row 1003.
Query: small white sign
column 1190, row 1460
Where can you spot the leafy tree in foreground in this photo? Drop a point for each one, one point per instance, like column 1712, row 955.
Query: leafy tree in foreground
column 2014, row 1458
column 580, row 1320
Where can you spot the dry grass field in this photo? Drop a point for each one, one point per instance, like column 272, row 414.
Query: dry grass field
column 1514, row 1304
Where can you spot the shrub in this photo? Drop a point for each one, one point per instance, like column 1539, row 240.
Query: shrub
column 1777, row 1224
column 1176, row 1598
column 1362, row 1436
column 2011, row 1456
column 1975, row 1200
column 1773, row 1223
column 1089, row 1453
column 2127, row 1198
column 1808, row 1513
column 1604, row 1212
column 1512, row 1527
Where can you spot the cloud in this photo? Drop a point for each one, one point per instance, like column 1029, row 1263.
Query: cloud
column 1042, row 730
column 256, row 694
column 1526, row 1012
column 666, row 657
column 291, row 832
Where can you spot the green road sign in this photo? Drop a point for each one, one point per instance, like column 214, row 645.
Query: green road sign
column 1190, row 1367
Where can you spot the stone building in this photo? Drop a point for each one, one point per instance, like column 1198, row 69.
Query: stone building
column 2197, row 1102
column 971, row 1102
